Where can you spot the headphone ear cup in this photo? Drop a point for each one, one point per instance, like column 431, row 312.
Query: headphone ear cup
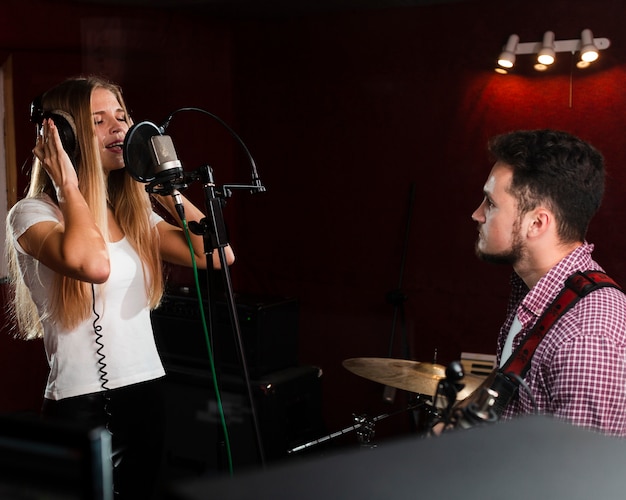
column 67, row 132
column 36, row 111
column 64, row 124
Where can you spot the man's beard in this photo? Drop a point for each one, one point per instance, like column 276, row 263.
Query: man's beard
column 509, row 257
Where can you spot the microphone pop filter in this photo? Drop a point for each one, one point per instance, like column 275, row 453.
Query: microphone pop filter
column 138, row 157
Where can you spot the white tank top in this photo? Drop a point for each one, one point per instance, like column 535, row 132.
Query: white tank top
column 121, row 316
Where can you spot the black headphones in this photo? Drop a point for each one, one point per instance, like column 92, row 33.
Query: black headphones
column 64, row 123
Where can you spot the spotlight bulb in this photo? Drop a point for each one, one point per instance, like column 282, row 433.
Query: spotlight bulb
column 588, row 50
column 546, row 59
column 546, row 55
column 507, row 57
column 506, row 62
column 589, row 56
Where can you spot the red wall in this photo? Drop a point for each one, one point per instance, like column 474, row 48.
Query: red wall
column 343, row 113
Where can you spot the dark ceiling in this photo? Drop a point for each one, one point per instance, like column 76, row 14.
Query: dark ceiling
column 254, row 8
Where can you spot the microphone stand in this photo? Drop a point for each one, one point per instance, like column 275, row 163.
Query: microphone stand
column 213, row 230
column 397, row 298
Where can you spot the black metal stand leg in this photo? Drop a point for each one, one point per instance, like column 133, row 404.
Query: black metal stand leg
column 214, row 231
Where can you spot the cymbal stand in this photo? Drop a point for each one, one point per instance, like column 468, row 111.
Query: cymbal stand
column 364, row 426
column 397, row 298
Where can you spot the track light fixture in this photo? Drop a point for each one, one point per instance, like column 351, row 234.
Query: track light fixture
column 588, row 50
column 546, row 54
column 507, row 57
column 546, row 50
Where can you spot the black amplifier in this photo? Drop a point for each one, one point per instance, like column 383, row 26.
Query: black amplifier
column 268, row 328
column 289, row 410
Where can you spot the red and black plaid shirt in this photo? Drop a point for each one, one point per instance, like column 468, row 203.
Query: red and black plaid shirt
column 578, row 372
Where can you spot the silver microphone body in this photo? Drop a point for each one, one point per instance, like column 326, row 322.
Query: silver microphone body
column 167, row 166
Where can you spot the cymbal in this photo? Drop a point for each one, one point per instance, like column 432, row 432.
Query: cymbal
column 412, row 376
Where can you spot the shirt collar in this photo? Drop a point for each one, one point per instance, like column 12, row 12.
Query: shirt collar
column 548, row 287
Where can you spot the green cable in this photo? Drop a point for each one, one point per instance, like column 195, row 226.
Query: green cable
column 218, row 398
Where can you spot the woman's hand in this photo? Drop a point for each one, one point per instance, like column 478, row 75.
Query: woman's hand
column 54, row 159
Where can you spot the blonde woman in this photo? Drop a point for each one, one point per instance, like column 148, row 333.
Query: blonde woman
column 85, row 252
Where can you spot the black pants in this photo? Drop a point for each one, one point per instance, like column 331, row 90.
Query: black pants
column 135, row 415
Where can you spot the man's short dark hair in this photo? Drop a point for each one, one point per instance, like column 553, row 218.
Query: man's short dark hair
column 556, row 169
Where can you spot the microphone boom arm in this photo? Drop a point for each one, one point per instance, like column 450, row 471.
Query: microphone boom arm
column 257, row 186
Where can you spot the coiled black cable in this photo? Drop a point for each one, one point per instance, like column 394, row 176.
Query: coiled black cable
column 102, row 366
column 102, row 370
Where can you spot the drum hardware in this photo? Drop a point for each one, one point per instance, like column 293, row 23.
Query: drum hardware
column 429, row 383
column 458, row 399
column 479, row 412
column 411, row 376
column 476, row 409
column 365, row 425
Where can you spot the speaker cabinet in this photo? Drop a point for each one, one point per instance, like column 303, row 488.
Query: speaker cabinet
column 268, row 327
column 288, row 408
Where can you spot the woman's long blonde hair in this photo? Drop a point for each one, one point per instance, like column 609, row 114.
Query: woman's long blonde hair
column 71, row 300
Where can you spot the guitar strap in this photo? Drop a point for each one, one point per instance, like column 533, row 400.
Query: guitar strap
column 577, row 286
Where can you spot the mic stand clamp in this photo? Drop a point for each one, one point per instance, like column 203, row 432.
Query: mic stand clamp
column 166, row 188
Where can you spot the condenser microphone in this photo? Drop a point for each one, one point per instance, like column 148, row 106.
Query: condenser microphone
column 167, row 165
column 150, row 157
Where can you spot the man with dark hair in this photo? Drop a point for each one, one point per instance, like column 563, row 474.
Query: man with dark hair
column 539, row 198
